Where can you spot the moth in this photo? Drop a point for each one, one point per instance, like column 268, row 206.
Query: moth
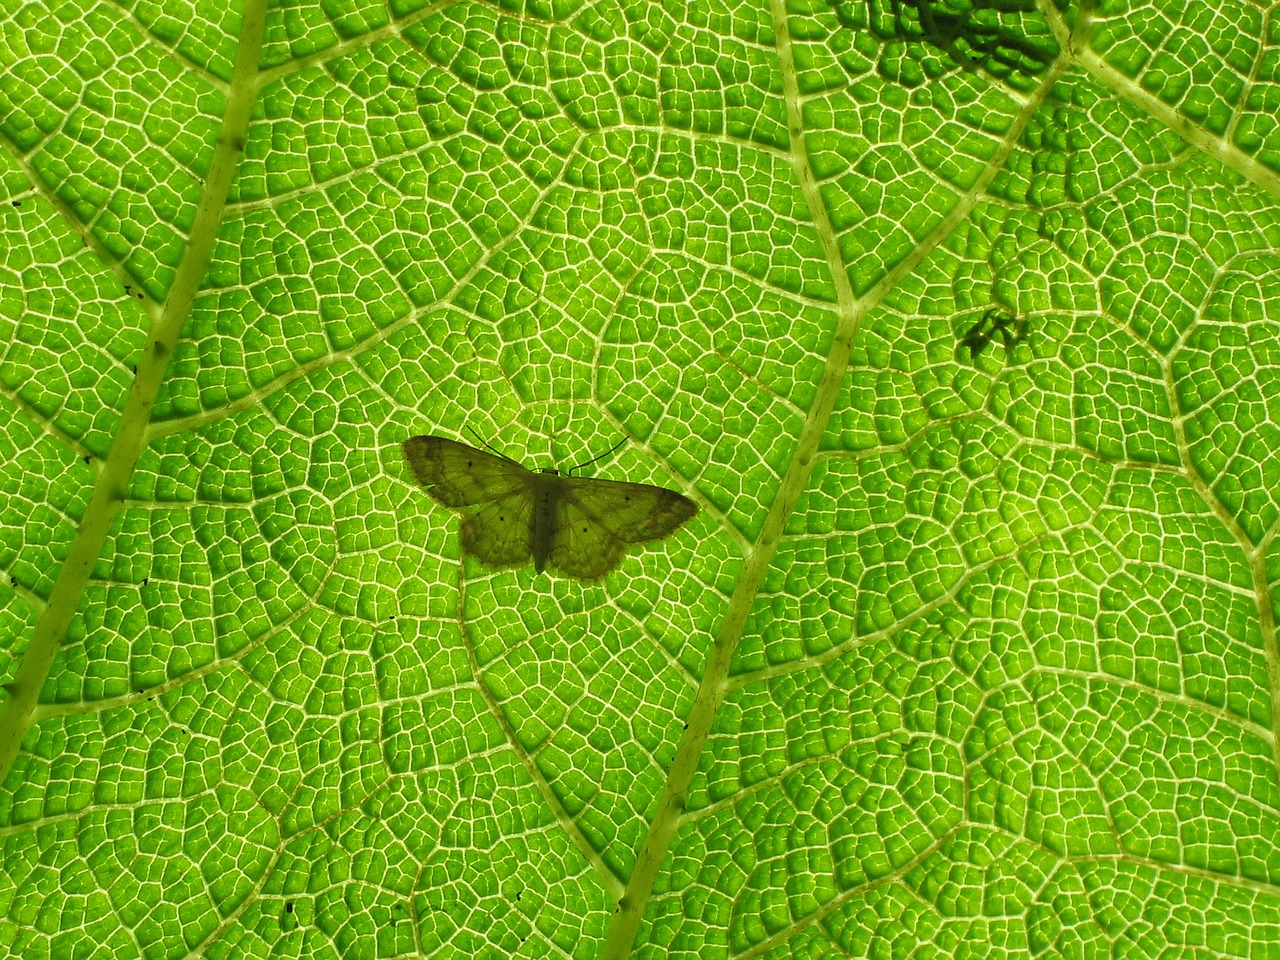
column 577, row 525
column 1012, row 330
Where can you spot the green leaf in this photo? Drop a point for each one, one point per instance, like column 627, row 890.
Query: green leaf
column 967, row 652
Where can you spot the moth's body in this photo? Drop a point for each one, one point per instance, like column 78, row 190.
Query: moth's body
column 542, row 526
column 577, row 525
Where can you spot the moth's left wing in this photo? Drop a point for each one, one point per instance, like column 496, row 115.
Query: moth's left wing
column 458, row 475
column 500, row 532
column 597, row 519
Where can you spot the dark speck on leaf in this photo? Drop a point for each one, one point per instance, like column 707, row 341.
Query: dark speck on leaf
column 1010, row 329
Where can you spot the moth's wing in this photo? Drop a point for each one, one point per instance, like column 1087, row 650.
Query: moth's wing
column 632, row 512
column 581, row 546
column 597, row 519
column 501, row 531
column 458, row 475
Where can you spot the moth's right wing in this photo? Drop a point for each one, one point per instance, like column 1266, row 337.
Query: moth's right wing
column 597, row 519
column 459, row 476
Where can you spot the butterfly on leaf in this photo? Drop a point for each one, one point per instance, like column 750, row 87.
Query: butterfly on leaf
column 577, row 525
column 1012, row 330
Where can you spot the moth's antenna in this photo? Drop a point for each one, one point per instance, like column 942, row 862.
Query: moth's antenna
column 487, row 444
column 612, row 449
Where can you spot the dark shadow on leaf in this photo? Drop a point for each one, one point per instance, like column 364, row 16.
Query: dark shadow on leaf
column 1000, row 37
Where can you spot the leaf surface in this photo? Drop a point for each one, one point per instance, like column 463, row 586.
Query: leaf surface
column 966, row 653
